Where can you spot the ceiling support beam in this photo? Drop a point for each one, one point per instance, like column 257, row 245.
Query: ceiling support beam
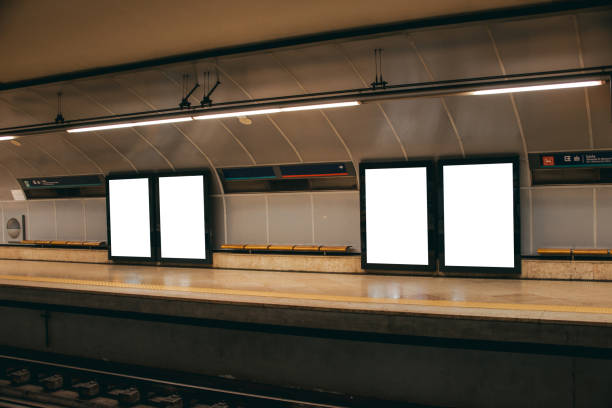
column 364, row 95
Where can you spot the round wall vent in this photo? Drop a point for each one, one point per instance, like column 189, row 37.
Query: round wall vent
column 13, row 228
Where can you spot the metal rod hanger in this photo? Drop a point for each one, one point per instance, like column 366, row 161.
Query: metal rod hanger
column 364, row 95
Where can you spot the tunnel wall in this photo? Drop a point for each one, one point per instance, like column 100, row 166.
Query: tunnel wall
column 551, row 216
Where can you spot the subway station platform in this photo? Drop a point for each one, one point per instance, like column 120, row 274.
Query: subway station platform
column 336, row 332
column 507, row 299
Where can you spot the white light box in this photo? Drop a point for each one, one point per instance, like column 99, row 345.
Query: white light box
column 181, row 217
column 129, row 218
column 479, row 219
column 396, row 227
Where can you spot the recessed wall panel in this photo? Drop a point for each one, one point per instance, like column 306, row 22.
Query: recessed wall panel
column 69, row 218
column 181, row 217
column 479, row 219
column 129, row 211
column 95, row 219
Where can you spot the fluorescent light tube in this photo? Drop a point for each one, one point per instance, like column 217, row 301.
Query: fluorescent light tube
column 236, row 114
column 129, row 124
column 214, row 116
column 321, row 106
column 7, row 138
column 537, row 88
column 277, row 110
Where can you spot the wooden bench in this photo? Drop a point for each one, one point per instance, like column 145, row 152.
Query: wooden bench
column 287, row 248
column 75, row 244
column 571, row 252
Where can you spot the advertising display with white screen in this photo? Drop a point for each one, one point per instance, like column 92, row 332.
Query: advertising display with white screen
column 479, row 220
column 129, row 218
column 181, row 217
column 396, row 216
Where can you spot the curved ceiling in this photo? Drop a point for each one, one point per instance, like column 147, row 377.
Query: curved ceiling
column 399, row 129
column 50, row 37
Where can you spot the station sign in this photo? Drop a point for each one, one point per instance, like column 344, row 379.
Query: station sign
column 576, row 159
column 62, row 182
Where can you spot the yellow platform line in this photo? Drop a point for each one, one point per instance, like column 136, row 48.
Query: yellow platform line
column 311, row 296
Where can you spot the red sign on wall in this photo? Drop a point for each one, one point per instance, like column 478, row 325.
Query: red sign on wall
column 548, row 160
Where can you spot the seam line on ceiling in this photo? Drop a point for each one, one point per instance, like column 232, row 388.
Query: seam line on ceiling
column 170, row 79
column 380, row 107
column 64, row 137
column 248, row 95
column 101, row 137
column 103, row 106
column 442, row 100
column 44, row 152
column 329, row 122
column 515, row 110
column 10, row 172
column 37, row 172
column 178, row 129
column 586, row 91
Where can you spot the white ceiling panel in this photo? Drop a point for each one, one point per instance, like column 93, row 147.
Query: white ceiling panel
column 138, row 151
column 423, row 127
column 601, row 116
column 216, row 142
column 400, row 64
column 263, row 140
column 70, row 157
column 554, row 120
column 260, row 75
column 366, row 132
column 596, row 34
column 543, row 44
column 30, row 104
column 7, row 183
column 462, row 52
column 16, row 164
column 152, row 87
column 100, row 151
column 486, row 124
column 175, row 146
column 111, row 96
column 226, row 91
column 39, row 157
column 319, row 69
column 75, row 105
column 10, row 116
column 312, row 136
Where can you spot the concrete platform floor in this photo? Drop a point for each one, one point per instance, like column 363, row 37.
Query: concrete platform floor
column 560, row 301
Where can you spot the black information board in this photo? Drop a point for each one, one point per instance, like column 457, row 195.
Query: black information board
column 61, row 182
column 576, row 159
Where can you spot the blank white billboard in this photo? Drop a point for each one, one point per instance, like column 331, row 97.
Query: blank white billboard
column 479, row 215
column 181, row 217
column 130, row 227
column 396, row 216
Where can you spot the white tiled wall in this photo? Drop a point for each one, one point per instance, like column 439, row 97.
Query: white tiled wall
column 551, row 216
column 324, row 218
column 69, row 219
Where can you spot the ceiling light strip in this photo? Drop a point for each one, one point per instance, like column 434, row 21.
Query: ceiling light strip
column 545, row 87
column 277, row 110
column 129, row 124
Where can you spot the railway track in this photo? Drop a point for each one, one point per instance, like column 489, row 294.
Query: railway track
column 28, row 383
